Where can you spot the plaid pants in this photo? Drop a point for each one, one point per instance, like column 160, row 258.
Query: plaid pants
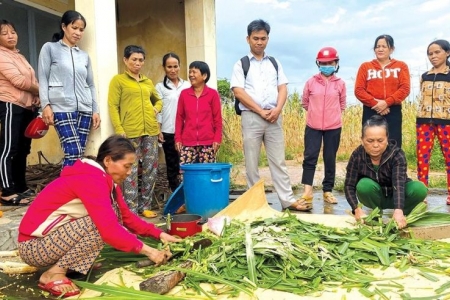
column 73, row 129
column 74, row 245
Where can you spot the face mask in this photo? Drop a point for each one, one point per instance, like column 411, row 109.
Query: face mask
column 327, row 70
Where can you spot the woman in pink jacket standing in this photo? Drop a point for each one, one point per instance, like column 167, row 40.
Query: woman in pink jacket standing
column 324, row 99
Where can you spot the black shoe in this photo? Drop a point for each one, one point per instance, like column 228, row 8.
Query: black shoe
column 15, row 201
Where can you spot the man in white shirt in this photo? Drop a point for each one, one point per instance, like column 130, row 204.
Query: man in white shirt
column 262, row 95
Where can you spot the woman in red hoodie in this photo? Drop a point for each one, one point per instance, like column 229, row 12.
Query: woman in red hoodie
column 198, row 124
column 382, row 84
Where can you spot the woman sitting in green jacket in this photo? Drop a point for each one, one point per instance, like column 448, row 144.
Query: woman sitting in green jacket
column 133, row 105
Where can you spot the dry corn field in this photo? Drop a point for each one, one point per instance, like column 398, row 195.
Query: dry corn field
column 294, row 125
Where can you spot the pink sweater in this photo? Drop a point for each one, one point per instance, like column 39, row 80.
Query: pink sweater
column 16, row 76
column 324, row 101
column 84, row 189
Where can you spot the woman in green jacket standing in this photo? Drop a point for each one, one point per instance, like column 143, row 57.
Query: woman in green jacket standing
column 133, row 105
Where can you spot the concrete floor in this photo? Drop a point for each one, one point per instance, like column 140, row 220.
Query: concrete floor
column 436, row 202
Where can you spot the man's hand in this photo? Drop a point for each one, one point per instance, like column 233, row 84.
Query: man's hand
column 399, row 218
column 272, row 115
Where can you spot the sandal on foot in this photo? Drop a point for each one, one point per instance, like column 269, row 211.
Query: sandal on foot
column 328, row 197
column 28, row 193
column 15, row 201
column 50, row 287
column 304, row 203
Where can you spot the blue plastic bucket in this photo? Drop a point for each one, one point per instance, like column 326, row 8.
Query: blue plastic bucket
column 206, row 188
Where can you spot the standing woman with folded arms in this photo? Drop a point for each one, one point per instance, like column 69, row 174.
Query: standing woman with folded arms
column 18, row 94
column 169, row 90
column 382, row 85
column 66, row 87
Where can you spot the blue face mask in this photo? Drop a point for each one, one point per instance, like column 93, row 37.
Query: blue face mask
column 327, row 70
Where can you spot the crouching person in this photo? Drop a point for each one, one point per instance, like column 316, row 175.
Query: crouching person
column 376, row 175
column 70, row 221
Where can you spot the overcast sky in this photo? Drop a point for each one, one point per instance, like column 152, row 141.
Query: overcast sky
column 299, row 28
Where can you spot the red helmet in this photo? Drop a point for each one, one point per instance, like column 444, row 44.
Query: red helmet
column 36, row 129
column 327, row 54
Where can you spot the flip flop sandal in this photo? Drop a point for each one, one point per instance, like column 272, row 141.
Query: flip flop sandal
column 50, row 287
column 304, row 202
column 149, row 214
column 328, row 197
column 28, row 193
column 14, row 201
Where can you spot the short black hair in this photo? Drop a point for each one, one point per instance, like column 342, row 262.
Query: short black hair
column 7, row 23
column 130, row 49
column 203, row 67
column 258, row 25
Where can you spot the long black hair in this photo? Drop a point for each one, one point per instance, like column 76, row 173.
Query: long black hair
column 68, row 18
column 115, row 146
column 164, row 61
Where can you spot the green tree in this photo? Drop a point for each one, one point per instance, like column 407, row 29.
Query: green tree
column 223, row 87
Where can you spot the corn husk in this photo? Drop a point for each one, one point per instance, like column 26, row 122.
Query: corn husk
column 10, row 267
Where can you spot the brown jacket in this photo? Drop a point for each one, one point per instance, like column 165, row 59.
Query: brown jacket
column 434, row 101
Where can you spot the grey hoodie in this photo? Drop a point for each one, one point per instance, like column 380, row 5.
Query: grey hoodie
column 65, row 79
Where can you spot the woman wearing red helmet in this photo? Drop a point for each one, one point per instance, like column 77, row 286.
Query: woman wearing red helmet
column 324, row 99
column 382, row 84
column 19, row 92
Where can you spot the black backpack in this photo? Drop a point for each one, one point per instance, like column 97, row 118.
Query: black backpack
column 245, row 61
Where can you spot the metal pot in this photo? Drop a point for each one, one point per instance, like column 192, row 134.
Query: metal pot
column 184, row 225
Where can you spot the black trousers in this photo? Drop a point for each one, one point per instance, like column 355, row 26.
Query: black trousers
column 393, row 118
column 172, row 160
column 14, row 147
column 313, row 142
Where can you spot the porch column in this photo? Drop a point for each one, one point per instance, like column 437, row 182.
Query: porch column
column 100, row 42
column 201, row 35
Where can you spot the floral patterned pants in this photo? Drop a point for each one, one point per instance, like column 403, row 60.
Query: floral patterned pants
column 197, row 154
column 147, row 154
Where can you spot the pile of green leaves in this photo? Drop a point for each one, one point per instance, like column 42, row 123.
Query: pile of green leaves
column 291, row 255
